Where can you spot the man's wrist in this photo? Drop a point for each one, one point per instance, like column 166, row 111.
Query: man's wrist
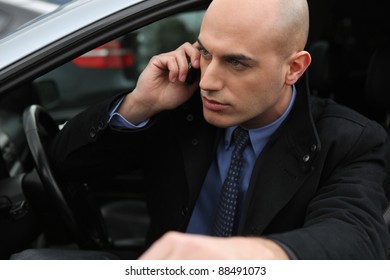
column 116, row 120
column 134, row 110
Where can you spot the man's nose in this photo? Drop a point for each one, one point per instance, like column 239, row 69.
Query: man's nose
column 211, row 77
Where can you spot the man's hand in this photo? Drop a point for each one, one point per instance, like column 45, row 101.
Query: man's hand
column 180, row 246
column 161, row 86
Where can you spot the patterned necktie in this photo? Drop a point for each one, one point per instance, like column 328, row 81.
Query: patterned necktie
column 227, row 205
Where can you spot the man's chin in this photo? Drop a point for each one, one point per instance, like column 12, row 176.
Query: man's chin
column 218, row 120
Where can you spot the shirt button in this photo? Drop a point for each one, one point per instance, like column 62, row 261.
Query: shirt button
column 313, row 148
column 195, row 142
column 306, row 158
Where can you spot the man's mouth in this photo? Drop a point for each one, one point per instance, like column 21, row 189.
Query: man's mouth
column 213, row 105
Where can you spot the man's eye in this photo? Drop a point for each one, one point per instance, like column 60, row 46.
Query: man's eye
column 237, row 64
column 204, row 52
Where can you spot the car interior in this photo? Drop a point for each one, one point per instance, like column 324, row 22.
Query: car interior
column 350, row 47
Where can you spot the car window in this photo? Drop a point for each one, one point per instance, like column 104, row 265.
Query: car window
column 113, row 67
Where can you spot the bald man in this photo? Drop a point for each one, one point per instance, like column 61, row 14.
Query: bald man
column 310, row 179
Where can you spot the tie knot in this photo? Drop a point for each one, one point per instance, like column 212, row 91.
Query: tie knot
column 240, row 137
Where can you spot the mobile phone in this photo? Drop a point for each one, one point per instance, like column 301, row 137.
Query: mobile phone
column 193, row 74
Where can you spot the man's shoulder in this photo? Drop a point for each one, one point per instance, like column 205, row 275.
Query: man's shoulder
column 332, row 118
column 328, row 110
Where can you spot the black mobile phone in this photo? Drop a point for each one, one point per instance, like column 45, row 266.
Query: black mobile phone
column 193, row 74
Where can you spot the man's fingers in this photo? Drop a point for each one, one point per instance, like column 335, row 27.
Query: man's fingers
column 182, row 61
column 174, row 64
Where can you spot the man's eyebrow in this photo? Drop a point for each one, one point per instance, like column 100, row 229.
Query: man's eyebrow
column 239, row 57
column 200, row 43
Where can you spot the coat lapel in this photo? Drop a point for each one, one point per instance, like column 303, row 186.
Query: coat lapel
column 282, row 168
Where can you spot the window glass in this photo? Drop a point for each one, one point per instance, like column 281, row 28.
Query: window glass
column 113, row 67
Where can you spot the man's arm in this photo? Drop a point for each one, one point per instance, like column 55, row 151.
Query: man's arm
column 88, row 146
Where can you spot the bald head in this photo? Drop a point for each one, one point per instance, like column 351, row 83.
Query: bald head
column 283, row 24
column 292, row 21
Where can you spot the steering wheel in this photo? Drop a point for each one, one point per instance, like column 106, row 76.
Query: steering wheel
column 75, row 202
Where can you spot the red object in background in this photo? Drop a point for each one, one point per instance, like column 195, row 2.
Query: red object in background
column 108, row 56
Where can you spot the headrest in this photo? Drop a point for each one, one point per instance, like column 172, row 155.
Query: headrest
column 378, row 78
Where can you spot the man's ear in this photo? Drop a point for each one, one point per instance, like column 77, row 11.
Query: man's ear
column 298, row 65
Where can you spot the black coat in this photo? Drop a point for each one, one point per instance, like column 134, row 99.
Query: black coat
column 317, row 186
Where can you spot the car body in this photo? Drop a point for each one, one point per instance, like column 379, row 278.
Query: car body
column 13, row 14
column 54, row 71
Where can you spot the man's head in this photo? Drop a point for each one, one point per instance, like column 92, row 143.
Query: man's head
column 252, row 52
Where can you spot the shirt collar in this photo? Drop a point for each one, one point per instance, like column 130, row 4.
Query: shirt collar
column 263, row 133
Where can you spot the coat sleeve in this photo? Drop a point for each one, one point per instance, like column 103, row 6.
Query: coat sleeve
column 88, row 148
